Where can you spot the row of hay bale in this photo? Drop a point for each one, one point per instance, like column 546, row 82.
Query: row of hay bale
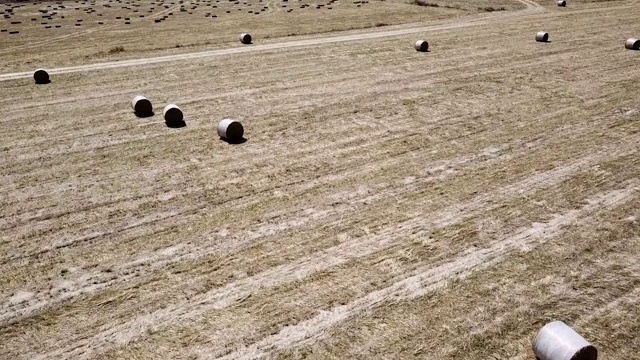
column 541, row 36
column 631, row 43
column 231, row 130
column 50, row 12
column 228, row 129
column 42, row 77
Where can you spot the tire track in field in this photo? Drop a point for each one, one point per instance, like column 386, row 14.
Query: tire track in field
column 439, row 170
column 111, row 335
column 310, row 156
column 96, row 280
column 429, row 278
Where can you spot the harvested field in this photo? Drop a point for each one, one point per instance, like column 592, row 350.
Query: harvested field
column 387, row 203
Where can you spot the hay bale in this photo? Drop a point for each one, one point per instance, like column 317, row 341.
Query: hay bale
column 173, row 116
column 230, row 130
column 41, row 76
column 141, row 106
column 245, row 38
column 542, row 36
column 562, row 3
column 557, row 341
column 422, row 45
column 632, row 44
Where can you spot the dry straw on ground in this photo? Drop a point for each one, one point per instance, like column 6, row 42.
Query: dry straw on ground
column 387, row 205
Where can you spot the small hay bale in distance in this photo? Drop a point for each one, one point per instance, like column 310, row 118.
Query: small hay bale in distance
column 557, row 341
column 542, row 36
column 245, row 38
column 422, row 45
column 562, row 3
column 141, row 106
column 173, row 116
column 41, row 76
column 632, row 44
column 230, row 130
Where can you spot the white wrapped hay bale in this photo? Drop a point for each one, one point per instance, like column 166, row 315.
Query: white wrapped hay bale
column 422, row 45
column 542, row 36
column 141, row 106
column 245, row 38
column 632, row 44
column 173, row 115
column 562, row 3
column 41, row 76
column 557, row 341
column 230, row 129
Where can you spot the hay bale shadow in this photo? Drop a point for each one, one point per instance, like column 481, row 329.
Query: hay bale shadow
column 234, row 141
column 43, row 82
column 176, row 124
column 144, row 115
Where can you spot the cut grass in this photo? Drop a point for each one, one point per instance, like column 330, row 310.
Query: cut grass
column 365, row 163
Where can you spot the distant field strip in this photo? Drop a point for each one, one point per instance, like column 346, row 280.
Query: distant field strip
column 532, row 8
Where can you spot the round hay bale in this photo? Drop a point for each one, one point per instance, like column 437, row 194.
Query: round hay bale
column 542, row 36
column 562, row 3
column 557, row 341
column 245, row 38
column 632, row 44
column 173, row 116
column 230, row 129
column 41, row 76
column 141, row 106
column 422, row 45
